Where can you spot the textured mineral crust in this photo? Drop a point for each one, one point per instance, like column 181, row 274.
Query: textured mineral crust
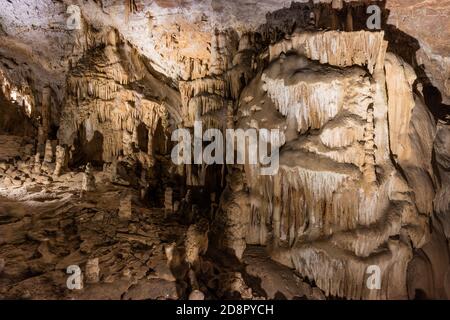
column 93, row 205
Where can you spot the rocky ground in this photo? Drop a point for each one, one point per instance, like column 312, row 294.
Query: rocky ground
column 125, row 249
column 364, row 175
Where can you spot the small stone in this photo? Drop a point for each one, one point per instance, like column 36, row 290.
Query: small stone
column 317, row 294
column 17, row 182
column 92, row 271
column 43, row 179
column 126, row 273
column 7, row 182
column 196, row 295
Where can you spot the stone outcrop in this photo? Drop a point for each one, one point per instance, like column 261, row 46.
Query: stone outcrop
column 91, row 104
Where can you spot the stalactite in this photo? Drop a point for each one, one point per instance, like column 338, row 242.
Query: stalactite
column 311, row 105
column 321, row 263
column 117, row 111
column 329, row 211
column 341, row 49
column 342, row 133
column 400, row 78
column 369, row 146
column 22, row 95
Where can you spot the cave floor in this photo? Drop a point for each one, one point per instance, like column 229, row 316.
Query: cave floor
column 47, row 225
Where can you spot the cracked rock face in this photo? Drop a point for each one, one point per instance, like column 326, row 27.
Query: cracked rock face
column 88, row 180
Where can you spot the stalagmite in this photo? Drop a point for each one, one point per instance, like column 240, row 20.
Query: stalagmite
column 344, row 185
column 48, row 155
column 60, row 160
column 196, row 294
column 45, row 119
column 144, row 185
column 196, row 243
column 88, row 183
column 235, row 217
column 37, row 163
column 42, row 138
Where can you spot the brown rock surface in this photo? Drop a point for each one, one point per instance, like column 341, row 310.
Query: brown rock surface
column 87, row 124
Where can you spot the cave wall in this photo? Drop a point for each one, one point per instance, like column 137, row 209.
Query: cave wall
column 370, row 196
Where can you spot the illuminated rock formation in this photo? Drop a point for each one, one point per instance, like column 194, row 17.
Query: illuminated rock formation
column 92, row 91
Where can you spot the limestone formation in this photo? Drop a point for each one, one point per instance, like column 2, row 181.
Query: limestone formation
column 196, row 295
column 92, row 273
column 196, row 242
column 60, row 160
column 350, row 108
column 37, row 163
column 326, row 191
column 48, row 155
column 235, row 217
column 88, row 183
column 233, row 284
